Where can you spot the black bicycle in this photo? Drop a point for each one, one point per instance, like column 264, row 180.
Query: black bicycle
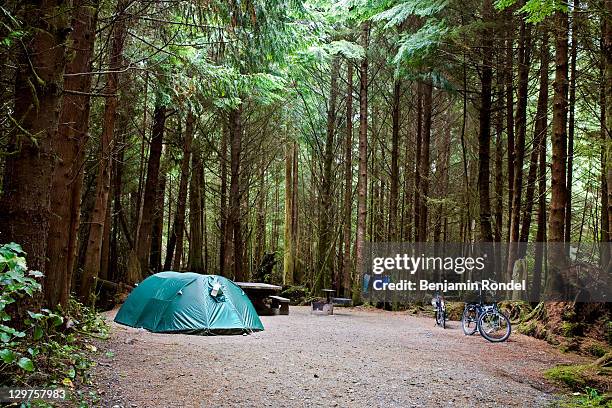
column 492, row 324
column 440, row 310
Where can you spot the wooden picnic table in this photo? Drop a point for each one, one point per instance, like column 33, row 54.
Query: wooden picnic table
column 328, row 294
column 258, row 292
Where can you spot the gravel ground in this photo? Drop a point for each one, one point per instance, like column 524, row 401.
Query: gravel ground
column 355, row 358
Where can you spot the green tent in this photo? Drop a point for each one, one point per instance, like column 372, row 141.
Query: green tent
column 174, row 302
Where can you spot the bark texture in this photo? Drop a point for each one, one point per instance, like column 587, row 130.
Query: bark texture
column 69, row 145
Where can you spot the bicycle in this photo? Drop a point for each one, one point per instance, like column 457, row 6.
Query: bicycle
column 440, row 310
column 492, row 324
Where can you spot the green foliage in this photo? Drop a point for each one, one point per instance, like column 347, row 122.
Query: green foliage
column 538, row 10
column 569, row 375
column 596, row 350
column 11, row 38
column 414, row 48
column 578, row 377
column 357, row 11
column 570, row 329
column 12, row 28
column 399, row 13
column 42, row 346
column 535, row 11
column 347, row 49
column 590, row 398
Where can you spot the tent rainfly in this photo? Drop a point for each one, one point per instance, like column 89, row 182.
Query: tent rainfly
column 191, row 303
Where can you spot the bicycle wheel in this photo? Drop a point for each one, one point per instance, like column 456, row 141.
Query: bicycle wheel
column 438, row 317
column 494, row 326
column 443, row 313
column 469, row 321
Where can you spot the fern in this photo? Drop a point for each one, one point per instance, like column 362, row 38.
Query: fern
column 346, row 49
column 398, row 14
column 414, row 47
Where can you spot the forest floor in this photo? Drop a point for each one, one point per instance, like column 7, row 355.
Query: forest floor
column 355, row 358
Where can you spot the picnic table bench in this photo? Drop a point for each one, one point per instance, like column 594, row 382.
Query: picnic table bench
column 325, row 307
column 258, row 292
column 280, row 303
column 342, row 301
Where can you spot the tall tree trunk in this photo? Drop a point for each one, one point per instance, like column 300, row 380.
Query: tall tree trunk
column 348, row 185
column 499, row 158
column 510, row 112
column 417, row 166
column 288, row 261
column 324, row 273
column 93, row 254
column 204, row 222
column 260, row 216
column 174, row 251
column 157, row 230
column 571, row 122
column 424, row 166
column 234, row 221
column 538, row 268
column 105, row 251
column 362, row 182
column 25, row 202
column 484, row 135
column 556, row 284
column 143, row 242
column 395, row 177
column 68, row 178
column 542, row 130
column 408, row 187
column 297, row 275
column 118, row 215
column 607, row 51
column 519, row 147
column 605, row 235
column 91, row 263
column 539, row 137
column 224, row 240
column 195, row 260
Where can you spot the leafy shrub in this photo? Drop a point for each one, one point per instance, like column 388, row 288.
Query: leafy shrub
column 596, row 350
column 590, row 398
column 41, row 347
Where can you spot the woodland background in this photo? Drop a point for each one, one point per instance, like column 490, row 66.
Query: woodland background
column 145, row 135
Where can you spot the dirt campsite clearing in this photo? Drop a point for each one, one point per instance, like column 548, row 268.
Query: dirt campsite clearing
column 355, row 358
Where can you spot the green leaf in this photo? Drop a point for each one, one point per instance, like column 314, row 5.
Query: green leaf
column 8, row 356
column 504, row 4
column 347, row 49
column 16, row 248
column 71, row 373
column 56, row 319
column 415, row 48
column 26, row 364
column 36, row 316
column 19, row 334
column 38, row 333
column 399, row 13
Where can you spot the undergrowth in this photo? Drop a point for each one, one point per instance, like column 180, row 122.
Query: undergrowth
column 40, row 347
